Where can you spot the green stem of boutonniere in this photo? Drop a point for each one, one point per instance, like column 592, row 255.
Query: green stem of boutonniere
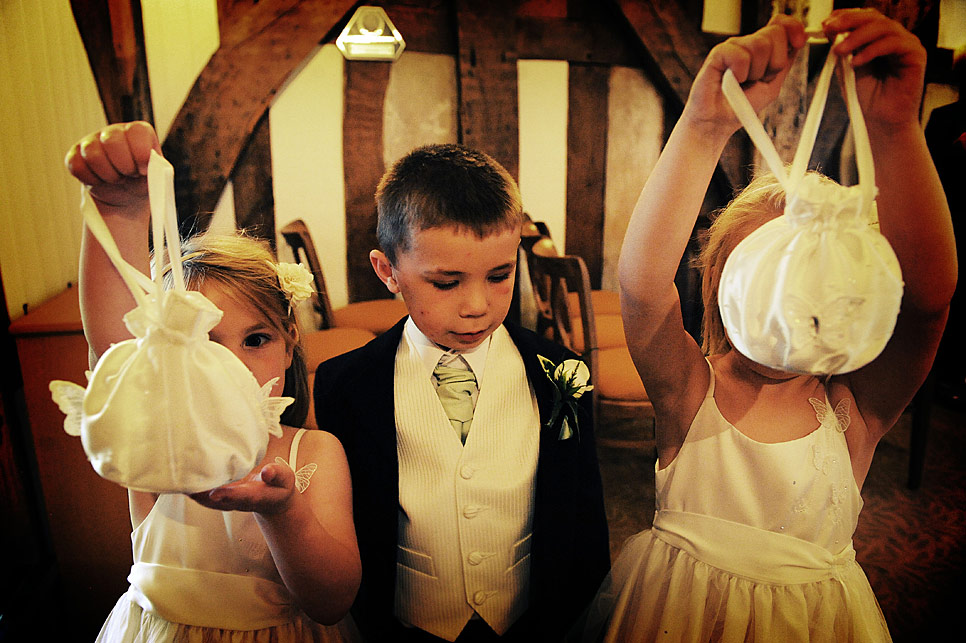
column 569, row 416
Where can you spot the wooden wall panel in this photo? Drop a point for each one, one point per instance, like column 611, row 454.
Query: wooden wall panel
column 586, row 165
column 427, row 26
column 114, row 40
column 672, row 38
column 674, row 42
column 252, row 183
column 365, row 92
column 489, row 115
column 595, row 39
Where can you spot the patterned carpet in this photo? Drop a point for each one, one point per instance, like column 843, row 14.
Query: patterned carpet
column 911, row 543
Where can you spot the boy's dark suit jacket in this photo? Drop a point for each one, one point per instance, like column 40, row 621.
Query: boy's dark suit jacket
column 569, row 552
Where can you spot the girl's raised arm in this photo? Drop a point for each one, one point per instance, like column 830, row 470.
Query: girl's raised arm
column 913, row 213
column 114, row 163
column 669, row 361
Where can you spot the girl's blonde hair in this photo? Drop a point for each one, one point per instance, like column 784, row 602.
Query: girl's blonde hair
column 761, row 201
column 245, row 267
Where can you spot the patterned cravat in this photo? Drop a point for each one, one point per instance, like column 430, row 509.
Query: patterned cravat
column 456, row 387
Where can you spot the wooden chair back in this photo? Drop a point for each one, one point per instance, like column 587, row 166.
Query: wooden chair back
column 297, row 237
column 555, row 280
column 564, row 300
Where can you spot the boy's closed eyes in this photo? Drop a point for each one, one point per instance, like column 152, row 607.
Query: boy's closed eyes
column 502, row 274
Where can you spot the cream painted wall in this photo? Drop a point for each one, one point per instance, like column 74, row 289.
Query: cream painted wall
column 223, row 218
column 543, row 98
column 179, row 38
column 48, row 101
column 937, row 95
column 420, row 106
column 307, row 172
column 635, row 135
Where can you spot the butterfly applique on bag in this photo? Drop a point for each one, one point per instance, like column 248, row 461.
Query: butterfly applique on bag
column 170, row 410
column 817, row 289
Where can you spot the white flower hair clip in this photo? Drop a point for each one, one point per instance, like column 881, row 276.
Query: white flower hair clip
column 295, row 280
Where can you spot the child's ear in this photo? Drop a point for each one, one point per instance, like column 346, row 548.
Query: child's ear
column 290, row 346
column 380, row 263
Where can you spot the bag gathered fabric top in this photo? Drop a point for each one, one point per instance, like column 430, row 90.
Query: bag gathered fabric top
column 817, row 289
column 170, row 410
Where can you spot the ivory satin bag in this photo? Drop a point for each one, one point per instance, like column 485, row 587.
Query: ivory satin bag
column 170, row 410
column 817, row 289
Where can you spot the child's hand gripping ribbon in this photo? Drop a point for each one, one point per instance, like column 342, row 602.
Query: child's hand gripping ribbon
column 816, row 290
column 171, row 410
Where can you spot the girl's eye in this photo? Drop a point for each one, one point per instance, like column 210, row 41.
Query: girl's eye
column 256, row 340
column 503, row 276
column 445, row 285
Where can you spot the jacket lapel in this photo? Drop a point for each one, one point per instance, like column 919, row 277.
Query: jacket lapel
column 374, row 385
column 542, row 386
column 373, row 459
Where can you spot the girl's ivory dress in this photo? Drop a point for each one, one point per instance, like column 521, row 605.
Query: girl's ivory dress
column 750, row 542
column 202, row 575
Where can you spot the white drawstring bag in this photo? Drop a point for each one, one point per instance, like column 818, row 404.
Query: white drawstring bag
column 817, row 289
column 170, row 410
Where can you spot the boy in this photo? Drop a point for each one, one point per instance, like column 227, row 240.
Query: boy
column 503, row 536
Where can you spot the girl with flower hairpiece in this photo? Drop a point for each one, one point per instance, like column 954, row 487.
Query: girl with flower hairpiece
column 272, row 556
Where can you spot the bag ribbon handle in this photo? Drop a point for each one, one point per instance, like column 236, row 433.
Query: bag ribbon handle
column 790, row 180
column 164, row 221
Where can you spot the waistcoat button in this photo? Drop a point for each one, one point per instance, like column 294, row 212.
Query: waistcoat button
column 480, row 597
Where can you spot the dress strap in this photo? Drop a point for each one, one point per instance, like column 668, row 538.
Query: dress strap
column 711, row 382
column 303, row 475
column 294, row 450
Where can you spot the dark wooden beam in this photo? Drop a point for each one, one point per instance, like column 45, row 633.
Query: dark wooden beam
column 426, row 26
column 576, row 41
column 487, row 80
column 365, row 92
column 587, row 165
column 240, row 20
column 593, row 38
column 252, row 183
column 113, row 38
column 233, row 91
column 672, row 39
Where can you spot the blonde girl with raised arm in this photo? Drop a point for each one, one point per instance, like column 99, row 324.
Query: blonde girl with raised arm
column 759, row 471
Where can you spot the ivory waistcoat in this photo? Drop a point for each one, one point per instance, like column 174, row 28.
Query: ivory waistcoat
column 465, row 510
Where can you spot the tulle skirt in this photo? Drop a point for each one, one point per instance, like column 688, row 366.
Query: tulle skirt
column 657, row 590
column 128, row 622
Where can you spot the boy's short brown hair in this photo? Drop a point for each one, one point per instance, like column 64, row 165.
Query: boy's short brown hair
column 444, row 185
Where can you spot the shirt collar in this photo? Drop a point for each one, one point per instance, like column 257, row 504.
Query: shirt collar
column 429, row 352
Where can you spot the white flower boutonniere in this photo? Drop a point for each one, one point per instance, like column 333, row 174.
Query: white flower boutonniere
column 295, row 281
column 570, row 379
